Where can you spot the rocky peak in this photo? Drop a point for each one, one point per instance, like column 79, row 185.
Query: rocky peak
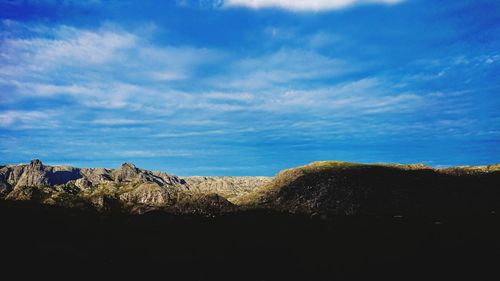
column 128, row 166
column 126, row 173
column 33, row 174
column 35, row 164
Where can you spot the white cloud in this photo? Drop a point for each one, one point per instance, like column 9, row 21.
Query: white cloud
column 69, row 47
column 304, row 5
column 25, row 119
column 167, row 76
column 106, row 68
column 282, row 67
column 230, row 96
column 190, row 134
column 365, row 96
column 95, row 67
column 110, row 95
column 136, row 83
column 118, row 121
column 152, row 153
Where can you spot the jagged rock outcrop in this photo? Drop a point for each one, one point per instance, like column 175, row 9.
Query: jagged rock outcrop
column 229, row 187
column 51, row 184
column 129, row 173
column 10, row 174
column 152, row 194
column 26, row 193
column 83, row 184
column 37, row 174
column 96, row 176
column 5, row 187
column 111, row 189
column 34, row 174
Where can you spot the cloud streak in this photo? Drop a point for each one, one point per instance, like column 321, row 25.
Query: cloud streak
column 24, row 119
column 106, row 68
column 271, row 83
column 304, row 5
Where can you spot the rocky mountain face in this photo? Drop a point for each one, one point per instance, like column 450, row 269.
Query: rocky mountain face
column 36, row 174
column 321, row 188
column 127, row 187
column 229, row 187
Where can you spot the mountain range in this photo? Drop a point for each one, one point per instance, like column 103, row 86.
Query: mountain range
column 322, row 189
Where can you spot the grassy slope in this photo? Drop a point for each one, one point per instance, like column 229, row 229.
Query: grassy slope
column 319, row 186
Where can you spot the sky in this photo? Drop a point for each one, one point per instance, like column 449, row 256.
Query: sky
column 249, row 87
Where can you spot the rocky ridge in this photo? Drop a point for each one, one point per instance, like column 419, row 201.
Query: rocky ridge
column 327, row 188
column 127, row 187
column 228, row 187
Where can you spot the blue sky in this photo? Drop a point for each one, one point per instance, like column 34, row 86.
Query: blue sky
column 249, row 87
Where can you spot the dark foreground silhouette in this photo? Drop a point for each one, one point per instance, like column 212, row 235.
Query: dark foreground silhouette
column 46, row 241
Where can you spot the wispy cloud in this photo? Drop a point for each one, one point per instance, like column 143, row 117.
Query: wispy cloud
column 106, row 68
column 230, row 96
column 327, row 85
column 70, row 47
column 190, row 134
column 151, row 153
column 22, row 119
column 304, row 5
column 283, row 67
column 126, row 73
column 365, row 96
column 114, row 121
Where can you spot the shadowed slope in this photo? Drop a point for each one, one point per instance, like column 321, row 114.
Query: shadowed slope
column 340, row 188
column 51, row 242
